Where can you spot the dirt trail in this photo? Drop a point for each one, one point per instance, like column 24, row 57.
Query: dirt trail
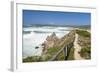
column 77, row 49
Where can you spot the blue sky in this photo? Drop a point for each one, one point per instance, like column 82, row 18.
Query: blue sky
column 54, row 17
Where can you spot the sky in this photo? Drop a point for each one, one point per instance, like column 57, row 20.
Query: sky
column 55, row 17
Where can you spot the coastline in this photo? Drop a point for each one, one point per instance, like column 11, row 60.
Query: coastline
column 41, row 57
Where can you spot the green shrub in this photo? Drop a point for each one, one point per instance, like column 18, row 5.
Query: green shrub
column 86, row 52
column 52, row 51
column 61, row 56
column 32, row 59
column 83, row 33
column 71, row 54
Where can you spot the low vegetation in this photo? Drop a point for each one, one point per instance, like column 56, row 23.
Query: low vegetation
column 86, row 53
column 50, row 53
column 71, row 54
column 32, row 59
column 84, row 41
column 83, row 33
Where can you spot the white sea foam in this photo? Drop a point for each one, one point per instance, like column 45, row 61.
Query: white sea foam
column 37, row 36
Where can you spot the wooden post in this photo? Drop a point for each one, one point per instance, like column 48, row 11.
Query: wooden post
column 65, row 52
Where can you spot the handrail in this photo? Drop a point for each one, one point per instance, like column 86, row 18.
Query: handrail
column 55, row 56
column 66, row 54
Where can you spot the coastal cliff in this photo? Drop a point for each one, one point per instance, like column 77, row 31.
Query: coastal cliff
column 80, row 40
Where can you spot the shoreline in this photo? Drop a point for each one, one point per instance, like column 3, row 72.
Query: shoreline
column 65, row 34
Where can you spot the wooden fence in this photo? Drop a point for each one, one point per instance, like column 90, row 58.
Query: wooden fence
column 66, row 50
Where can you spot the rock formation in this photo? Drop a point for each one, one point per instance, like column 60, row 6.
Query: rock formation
column 50, row 41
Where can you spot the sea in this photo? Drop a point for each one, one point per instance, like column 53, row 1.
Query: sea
column 34, row 36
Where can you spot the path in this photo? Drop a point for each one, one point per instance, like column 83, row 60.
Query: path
column 77, row 49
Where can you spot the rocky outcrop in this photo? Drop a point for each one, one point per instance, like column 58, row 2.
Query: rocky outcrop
column 53, row 41
column 50, row 41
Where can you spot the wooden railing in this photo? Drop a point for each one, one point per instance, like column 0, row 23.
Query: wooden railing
column 66, row 50
column 67, row 45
